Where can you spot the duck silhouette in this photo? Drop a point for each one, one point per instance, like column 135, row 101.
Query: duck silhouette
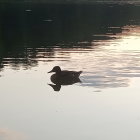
column 63, row 77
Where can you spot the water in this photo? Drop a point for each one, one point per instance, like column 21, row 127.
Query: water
column 102, row 40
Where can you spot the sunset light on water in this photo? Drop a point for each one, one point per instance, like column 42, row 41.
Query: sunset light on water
column 102, row 41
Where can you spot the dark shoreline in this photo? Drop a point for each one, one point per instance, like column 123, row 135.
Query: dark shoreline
column 72, row 2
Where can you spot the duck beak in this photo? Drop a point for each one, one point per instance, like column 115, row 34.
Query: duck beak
column 55, row 87
column 50, row 71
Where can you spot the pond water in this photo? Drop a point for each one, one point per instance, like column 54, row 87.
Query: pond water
column 102, row 40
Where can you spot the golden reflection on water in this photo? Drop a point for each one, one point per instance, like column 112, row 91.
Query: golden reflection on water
column 108, row 63
column 129, row 39
column 7, row 134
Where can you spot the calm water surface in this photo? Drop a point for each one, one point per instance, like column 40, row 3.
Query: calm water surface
column 102, row 40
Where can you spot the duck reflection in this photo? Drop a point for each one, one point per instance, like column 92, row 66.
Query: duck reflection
column 63, row 77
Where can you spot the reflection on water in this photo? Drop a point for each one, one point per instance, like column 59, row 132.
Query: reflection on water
column 57, row 86
column 11, row 135
column 102, row 40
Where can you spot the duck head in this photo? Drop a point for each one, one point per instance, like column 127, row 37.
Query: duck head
column 55, row 87
column 56, row 69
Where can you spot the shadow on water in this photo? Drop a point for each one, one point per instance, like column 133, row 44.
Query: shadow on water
column 57, row 85
column 30, row 33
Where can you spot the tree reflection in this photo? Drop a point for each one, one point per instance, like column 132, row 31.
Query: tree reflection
column 30, row 33
column 47, row 26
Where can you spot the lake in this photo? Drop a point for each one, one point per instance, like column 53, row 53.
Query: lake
column 102, row 40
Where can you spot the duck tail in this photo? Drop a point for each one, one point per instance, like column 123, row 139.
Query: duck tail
column 79, row 73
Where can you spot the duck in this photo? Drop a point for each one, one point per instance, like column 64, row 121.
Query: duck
column 64, row 77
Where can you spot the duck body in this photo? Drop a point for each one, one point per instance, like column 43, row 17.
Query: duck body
column 64, row 79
